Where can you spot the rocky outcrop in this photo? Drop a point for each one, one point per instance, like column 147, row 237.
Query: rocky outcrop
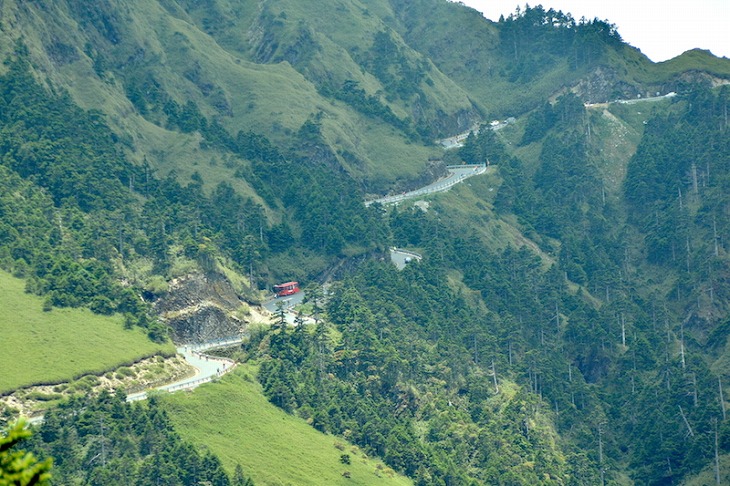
column 201, row 307
column 693, row 77
column 603, row 85
column 202, row 323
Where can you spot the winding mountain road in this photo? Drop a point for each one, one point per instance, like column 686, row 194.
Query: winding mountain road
column 457, row 173
column 208, row 367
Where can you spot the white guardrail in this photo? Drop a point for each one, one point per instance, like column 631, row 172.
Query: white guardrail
column 196, row 350
column 411, row 254
column 216, row 343
column 431, row 189
column 186, row 383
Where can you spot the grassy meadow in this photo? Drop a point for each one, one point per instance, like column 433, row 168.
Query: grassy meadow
column 235, row 421
column 55, row 346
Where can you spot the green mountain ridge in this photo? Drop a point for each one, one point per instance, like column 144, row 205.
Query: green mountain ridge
column 273, row 62
column 568, row 322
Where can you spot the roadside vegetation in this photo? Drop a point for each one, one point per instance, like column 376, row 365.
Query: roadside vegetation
column 568, row 323
column 105, row 440
column 62, row 344
column 234, row 420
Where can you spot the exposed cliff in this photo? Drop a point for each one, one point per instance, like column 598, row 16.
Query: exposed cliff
column 202, row 307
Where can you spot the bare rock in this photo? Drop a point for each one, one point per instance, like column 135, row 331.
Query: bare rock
column 201, row 307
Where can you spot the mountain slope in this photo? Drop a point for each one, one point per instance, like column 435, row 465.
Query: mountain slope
column 64, row 343
column 233, row 419
column 568, row 320
column 143, row 57
column 427, row 69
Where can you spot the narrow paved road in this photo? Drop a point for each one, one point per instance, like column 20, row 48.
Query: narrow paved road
column 289, row 303
column 457, row 173
column 208, row 367
column 632, row 101
column 457, row 141
column 401, row 258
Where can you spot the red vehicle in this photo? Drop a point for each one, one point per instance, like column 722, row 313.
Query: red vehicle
column 285, row 289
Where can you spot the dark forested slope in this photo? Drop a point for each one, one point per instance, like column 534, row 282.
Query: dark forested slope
column 568, row 323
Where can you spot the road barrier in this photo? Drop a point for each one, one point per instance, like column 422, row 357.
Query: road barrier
column 446, row 185
column 196, row 349
column 195, row 383
column 227, row 365
column 411, row 254
column 216, row 343
column 466, row 166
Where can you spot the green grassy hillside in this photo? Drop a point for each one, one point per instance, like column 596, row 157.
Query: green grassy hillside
column 55, row 346
column 592, row 255
column 235, row 421
column 331, row 43
column 170, row 52
column 438, row 66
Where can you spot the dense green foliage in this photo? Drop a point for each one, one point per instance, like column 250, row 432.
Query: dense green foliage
column 369, row 105
column 621, row 370
column 104, row 440
column 60, row 234
column 233, row 419
column 591, row 346
column 434, row 415
column 59, row 164
column 326, row 203
column 69, row 241
column 18, row 467
column 41, row 135
column 676, row 181
column 534, row 39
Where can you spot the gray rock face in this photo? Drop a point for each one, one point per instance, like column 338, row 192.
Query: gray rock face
column 202, row 323
column 603, row 85
column 200, row 308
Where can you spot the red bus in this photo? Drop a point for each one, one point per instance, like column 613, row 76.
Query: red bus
column 285, row 289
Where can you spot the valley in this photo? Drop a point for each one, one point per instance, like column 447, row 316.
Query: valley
column 542, row 299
